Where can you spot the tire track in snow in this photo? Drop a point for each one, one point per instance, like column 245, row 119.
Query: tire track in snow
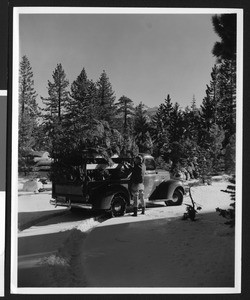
column 66, row 266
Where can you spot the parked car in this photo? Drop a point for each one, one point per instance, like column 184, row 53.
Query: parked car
column 101, row 185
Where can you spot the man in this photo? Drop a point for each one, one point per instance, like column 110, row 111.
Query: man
column 137, row 187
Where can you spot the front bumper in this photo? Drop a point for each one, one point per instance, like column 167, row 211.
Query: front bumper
column 58, row 203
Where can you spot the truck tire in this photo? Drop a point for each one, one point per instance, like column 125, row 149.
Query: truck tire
column 177, row 198
column 118, row 205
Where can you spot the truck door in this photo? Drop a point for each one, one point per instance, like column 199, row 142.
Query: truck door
column 151, row 179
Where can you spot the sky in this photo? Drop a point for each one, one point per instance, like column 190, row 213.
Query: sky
column 145, row 56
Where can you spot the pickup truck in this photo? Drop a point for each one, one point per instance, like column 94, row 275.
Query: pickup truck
column 107, row 187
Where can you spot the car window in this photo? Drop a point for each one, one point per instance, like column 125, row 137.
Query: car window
column 150, row 164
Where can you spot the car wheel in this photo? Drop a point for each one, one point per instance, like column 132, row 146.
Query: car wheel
column 177, row 198
column 118, row 205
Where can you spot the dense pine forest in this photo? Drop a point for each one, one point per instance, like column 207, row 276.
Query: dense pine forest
column 85, row 114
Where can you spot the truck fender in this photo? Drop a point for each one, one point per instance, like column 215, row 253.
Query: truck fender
column 165, row 190
column 105, row 201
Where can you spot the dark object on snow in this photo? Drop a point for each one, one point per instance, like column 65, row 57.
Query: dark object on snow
column 191, row 209
column 229, row 213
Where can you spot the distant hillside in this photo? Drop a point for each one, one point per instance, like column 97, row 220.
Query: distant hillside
column 151, row 111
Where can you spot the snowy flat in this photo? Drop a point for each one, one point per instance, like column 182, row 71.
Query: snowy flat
column 156, row 250
column 162, row 250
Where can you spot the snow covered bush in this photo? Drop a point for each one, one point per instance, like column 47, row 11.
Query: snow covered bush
column 229, row 214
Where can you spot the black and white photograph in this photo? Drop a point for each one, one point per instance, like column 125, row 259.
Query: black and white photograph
column 126, row 150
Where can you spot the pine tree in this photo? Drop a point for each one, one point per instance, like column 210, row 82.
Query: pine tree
column 26, row 141
column 185, row 128
column 116, row 142
column 161, row 127
column 55, row 112
column 159, row 132
column 191, row 123
column 225, row 51
column 76, row 108
column 210, row 103
column 193, row 105
column 209, row 108
column 92, row 102
column 27, row 93
column 230, row 155
column 177, row 129
column 218, row 116
column 227, row 103
column 55, row 104
column 168, row 109
column 28, row 113
column 225, row 26
column 81, row 108
column 125, row 112
column 142, row 129
column 105, row 99
column 217, row 136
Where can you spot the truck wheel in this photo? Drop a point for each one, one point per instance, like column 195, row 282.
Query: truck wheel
column 118, row 205
column 177, row 198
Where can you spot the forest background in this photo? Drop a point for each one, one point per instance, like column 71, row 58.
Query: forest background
column 86, row 115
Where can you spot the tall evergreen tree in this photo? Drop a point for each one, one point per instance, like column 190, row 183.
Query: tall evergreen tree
column 161, row 127
column 125, row 112
column 159, row 132
column 55, row 104
column 168, row 109
column 227, row 103
column 81, row 108
column 116, row 142
column 193, row 105
column 55, row 111
column 27, row 93
column 177, row 124
column 77, row 106
column 79, row 86
column 217, row 136
column 230, row 155
column 191, row 123
column 105, row 98
column 92, row 102
column 209, row 108
column 225, row 26
column 28, row 113
column 142, row 129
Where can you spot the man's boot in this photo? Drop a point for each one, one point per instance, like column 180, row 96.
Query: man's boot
column 135, row 212
column 143, row 211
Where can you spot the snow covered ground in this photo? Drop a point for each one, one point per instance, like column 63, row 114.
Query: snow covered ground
column 158, row 250
column 162, row 250
column 34, row 207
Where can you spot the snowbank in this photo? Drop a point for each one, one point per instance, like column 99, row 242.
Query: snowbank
column 33, row 185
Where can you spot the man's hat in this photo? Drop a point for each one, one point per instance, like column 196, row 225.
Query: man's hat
column 139, row 157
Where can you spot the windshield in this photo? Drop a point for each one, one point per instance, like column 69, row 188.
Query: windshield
column 150, row 164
